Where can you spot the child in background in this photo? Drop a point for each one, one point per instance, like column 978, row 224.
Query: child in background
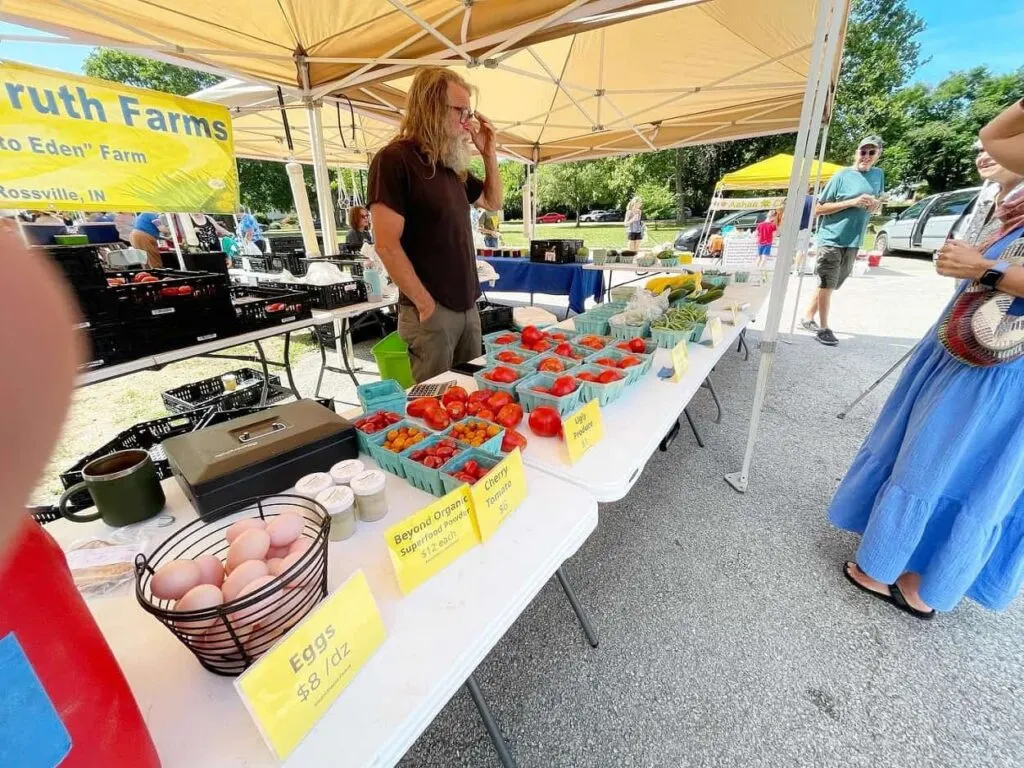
column 766, row 234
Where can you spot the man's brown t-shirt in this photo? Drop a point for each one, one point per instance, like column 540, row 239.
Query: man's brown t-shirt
column 438, row 237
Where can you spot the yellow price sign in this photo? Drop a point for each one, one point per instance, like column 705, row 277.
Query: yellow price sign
column 715, row 330
column 294, row 684
column 430, row 540
column 680, row 361
column 498, row 493
column 583, row 430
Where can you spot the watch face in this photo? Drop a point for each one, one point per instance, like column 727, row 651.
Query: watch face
column 991, row 278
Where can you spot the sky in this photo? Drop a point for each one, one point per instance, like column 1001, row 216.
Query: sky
column 989, row 35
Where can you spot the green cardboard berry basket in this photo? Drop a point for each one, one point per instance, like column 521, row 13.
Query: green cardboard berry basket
column 531, row 400
column 419, row 476
column 605, row 394
column 456, row 463
column 491, row 445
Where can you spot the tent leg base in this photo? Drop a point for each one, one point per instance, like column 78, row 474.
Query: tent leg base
column 738, row 481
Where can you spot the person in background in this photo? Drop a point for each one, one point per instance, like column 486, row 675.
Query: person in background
column 845, row 206
column 766, row 233
column 634, row 224
column 358, row 228
column 46, row 217
column 937, row 489
column 250, row 232
column 100, row 217
column 125, row 223
column 420, row 191
column 208, row 231
column 145, row 230
column 489, row 228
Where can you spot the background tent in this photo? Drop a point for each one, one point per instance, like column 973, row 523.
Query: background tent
column 774, row 173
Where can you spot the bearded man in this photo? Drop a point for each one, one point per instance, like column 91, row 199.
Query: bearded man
column 420, row 193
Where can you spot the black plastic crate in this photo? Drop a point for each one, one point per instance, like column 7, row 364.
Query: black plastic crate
column 554, row 251
column 185, row 295
column 287, row 243
column 168, row 332
column 353, row 265
column 206, row 261
column 257, row 307
column 295, row 261
column 98, row 306
column 109, row 344
column 146, row 435
column 495, row 317
column 265, row 263
column 328, row 296
column 80, row 264
column 210, row 393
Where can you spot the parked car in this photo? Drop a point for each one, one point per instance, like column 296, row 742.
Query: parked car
column 603, row 216
column 687, row 239
column 925, row 226
column 552, row 217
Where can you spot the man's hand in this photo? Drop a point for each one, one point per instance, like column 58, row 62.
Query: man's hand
column 958, row 259
column 427, row 310
column 483, row 136
column 867, row 202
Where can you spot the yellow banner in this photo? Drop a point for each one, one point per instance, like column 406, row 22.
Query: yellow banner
column 74, row 143
column 294, row 684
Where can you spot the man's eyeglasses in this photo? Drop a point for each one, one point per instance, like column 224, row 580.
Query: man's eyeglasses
column 868, row 152
column 465, row 113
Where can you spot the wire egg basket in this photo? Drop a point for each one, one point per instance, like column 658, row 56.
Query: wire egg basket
column 228, row 638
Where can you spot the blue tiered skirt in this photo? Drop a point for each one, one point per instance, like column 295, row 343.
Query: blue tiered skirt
column 938, row 486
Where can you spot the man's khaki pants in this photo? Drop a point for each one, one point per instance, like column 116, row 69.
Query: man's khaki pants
column 447, row 338
column 141, row 240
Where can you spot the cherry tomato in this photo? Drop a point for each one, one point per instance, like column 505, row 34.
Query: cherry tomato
column 457, row 394
column 545, row 422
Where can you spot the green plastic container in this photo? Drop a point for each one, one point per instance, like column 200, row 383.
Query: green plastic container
column 531, row 400
column 588, row 323
column 627, row 332
column 667, row 339
column 392, row 356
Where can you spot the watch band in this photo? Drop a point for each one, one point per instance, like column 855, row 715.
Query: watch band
column 991, row 277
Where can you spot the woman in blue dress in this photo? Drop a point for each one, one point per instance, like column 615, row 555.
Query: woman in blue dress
column 937, row 489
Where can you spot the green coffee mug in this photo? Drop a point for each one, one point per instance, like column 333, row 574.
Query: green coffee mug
column 123, row 485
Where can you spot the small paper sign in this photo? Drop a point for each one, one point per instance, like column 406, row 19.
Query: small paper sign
column 294, row 684
column 428, row 541
column 498, row 493
column 715, row 330
column 583, row 430
column 680, row 361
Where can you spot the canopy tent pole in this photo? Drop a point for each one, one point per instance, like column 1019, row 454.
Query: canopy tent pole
column 831, row 14
column 817, row 190
column 188, row 231
column 324, row 198
column 174, row 239
column 527, row 202
column 708, row 218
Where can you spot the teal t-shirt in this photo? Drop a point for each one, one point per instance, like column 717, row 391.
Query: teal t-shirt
column 845, row 229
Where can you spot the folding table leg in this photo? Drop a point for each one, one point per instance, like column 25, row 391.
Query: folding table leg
column 344, row 352
column 288, row 366
column 743, row 345
column 588, row 629
column 504, row 755
column 323, row 364
column 668, row 439
column 696, row 433
column 714, row 396
column 266, row 373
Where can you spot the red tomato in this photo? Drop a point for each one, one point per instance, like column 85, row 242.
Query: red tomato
column 542, row 390
column 456, row 410
column 531, row 335
column 594, row 342
column 608, row 377
column 607, row 361
column 498, row 400
column 420, row 405
column 629, row 360
column 556, row 336
column 564, row 349
column 540, row 346
column 457, row 394
column 564, row 385
column 551, row 365
column 486, row 414
column 512, row 440
column 471, row 467
column 586, row 376
column 510, row 415
column 638, row 346
column 480, row 395
column 434, row 462
column 436, row 418
column 508, row 338
column 169, row 291
column 510, row 357
column 624, row 346
column 502, row 374
column 545, row 422
column 419, row 455
column 473, row 407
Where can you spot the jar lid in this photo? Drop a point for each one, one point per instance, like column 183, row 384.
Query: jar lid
column 336, row 499
column 343, row 472
column 369, row 482
column 310, row 485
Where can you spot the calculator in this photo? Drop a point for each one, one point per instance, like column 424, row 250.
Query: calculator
column 431, row 389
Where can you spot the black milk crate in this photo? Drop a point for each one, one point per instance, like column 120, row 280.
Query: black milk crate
column 258, row 307
column 286, row 243
column 354, row 265
column 295, row 261
column 80, row 263
column 183, row 295
column 328, row 296
column 206, row 261
column 495, row 317
column 169, row 332
column 146, row 435
column 98, row 306
column 109, row 344
column 265, row 263
column 554, row 251
column 210, row 393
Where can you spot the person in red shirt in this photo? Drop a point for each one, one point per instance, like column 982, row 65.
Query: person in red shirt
column 766, row 234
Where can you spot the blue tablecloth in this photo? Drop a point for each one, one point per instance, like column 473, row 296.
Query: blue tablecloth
column 525, row 276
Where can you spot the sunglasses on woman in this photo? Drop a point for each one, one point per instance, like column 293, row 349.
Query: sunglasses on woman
column 868, row 152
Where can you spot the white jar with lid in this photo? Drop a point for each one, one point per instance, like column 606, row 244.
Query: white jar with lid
column 339, row 501
column 371, row 497
column 311, row 485
column 343, row 472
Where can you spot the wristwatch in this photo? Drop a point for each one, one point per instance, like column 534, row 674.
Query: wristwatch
column 991, row 277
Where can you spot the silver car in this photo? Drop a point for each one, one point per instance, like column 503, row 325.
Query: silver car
column 925, row 226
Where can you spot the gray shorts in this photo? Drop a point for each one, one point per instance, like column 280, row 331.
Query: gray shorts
column 834, row 265
column 447, row 338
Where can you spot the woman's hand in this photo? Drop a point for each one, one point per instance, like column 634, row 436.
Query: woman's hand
column 958, row 259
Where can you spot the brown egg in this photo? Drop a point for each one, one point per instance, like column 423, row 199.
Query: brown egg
column 250, row 545
column 237, row 529
column 242, row 575
column 197, row 599
column 212, row 570
column 172, row 580
column 285, row 529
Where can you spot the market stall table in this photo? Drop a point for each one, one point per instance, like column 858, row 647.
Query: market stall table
column 525, row 276
column 436, row 635
column 636, row 423
column 645, row 273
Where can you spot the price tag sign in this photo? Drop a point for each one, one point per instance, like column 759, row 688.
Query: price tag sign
column 680, row 361
column 290, row 688
column 715, row 330
column 430, row 540
column 498, row 493
column 583, row 430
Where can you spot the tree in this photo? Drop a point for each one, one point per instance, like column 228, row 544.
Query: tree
column 574, row 186
column 108, row 64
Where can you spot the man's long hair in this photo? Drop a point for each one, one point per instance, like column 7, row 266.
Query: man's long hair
column 426, row 114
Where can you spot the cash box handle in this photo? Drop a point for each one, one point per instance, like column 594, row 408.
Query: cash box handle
column 248, row 437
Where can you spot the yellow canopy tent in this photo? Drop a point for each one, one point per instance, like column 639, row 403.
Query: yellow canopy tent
column 774, row 173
